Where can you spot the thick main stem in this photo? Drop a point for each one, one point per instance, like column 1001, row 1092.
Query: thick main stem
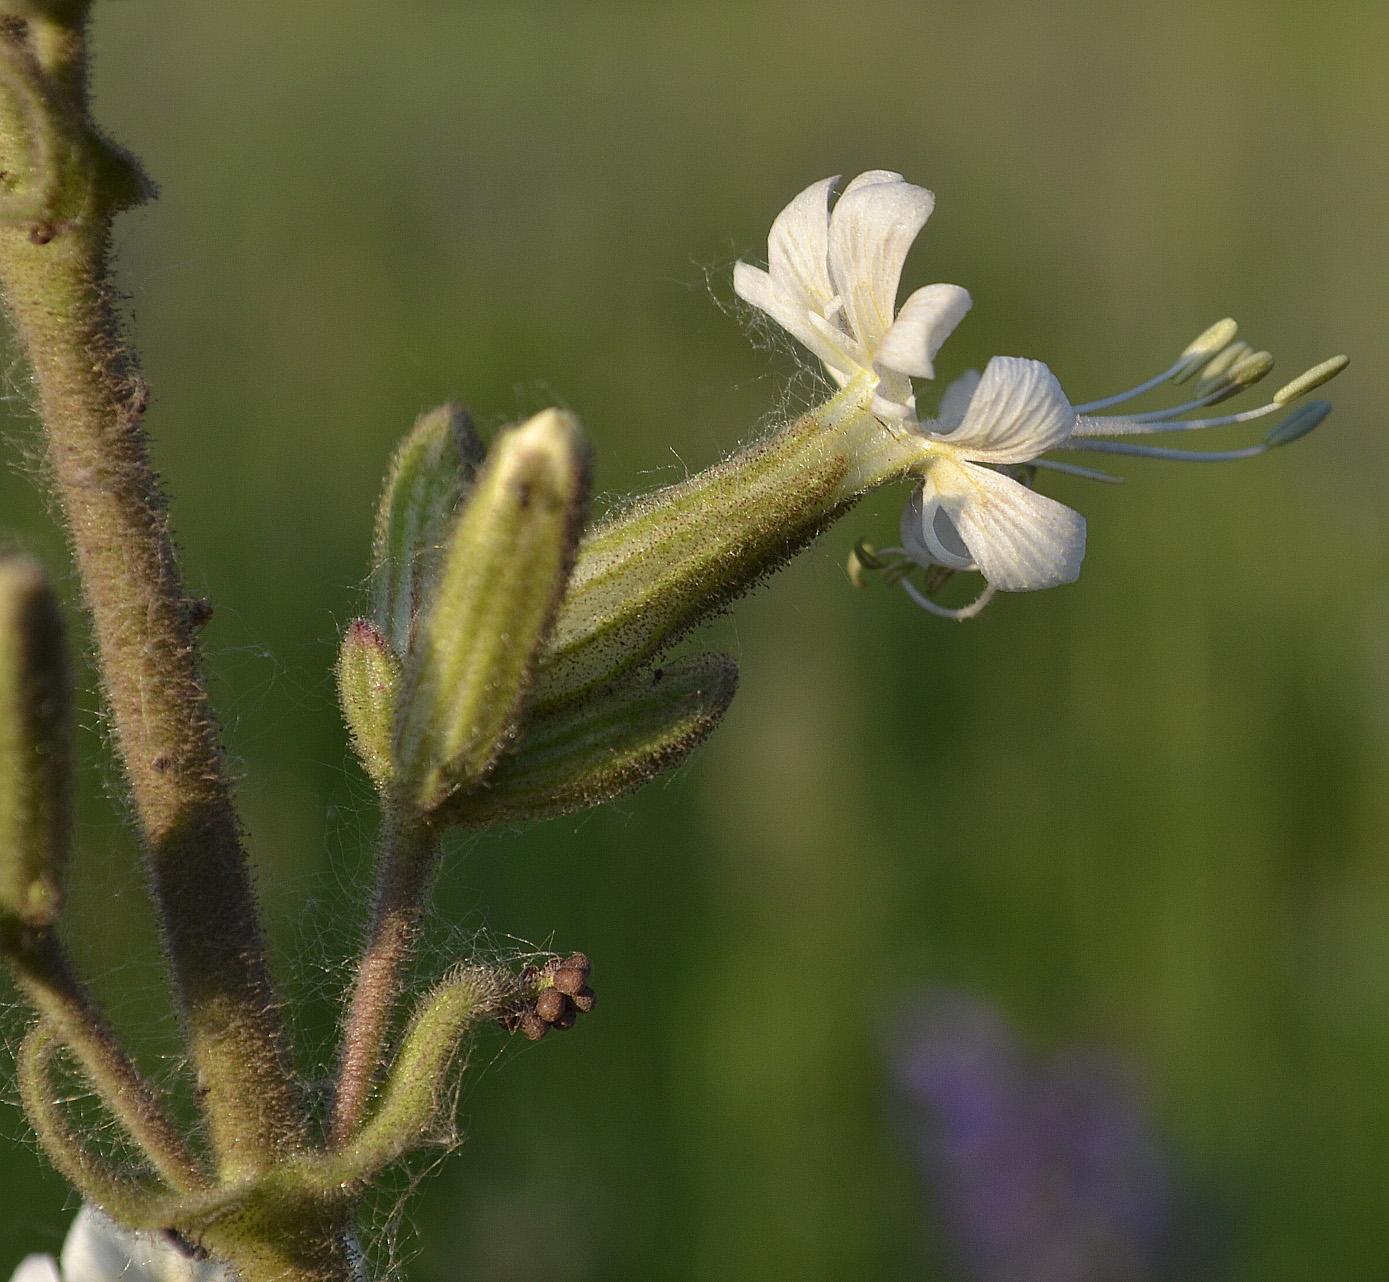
column 90, row 397
column 408, row 859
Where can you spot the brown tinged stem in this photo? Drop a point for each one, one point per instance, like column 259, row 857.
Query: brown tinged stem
column 409, row 861
column 90, row 396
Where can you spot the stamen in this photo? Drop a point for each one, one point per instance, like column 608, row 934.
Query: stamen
column 1162, row 452
column 942, row 612
column 1213, row 370
column 1245, row 372
column 1296, row 425
column 1143, row 425
column 1203, row 347
column 1072, row 469
column 1314, row 377
column 1131, row 394
column 1196, row 354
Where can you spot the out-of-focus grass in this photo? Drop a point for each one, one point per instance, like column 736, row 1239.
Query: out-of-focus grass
column 1149, row 808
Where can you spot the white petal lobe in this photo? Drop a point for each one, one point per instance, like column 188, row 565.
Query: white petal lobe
column 37, row 1268
column 929, row 536
column 1017, row 412
column 870, row 231
column 926, row 320
column 757, row 288
column 955, row 399
column 797, row 247
column 1020, row 540
column 96, row 1250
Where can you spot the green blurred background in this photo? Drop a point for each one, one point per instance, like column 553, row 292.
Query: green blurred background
column 1149, row 809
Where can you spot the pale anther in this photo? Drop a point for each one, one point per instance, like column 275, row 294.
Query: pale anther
column 1314, row 377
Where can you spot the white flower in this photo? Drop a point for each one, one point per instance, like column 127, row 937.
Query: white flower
column 97, row 1250
column 832, row 284
column 968, row 516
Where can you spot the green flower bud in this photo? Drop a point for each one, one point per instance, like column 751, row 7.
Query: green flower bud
column 502, row 572
column 35, row 746
column 429, row 475
column 595, row 748
column 368, row 687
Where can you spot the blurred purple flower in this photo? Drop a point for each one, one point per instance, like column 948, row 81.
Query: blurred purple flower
column 1044, row 1170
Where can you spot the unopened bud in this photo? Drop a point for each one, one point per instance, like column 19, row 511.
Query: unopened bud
column 368, row 687
column 35, row 746
column 431, row 471
column 499, row 583
column 1314, row 377
column 1203, row 347
column 603, row 744
column 1301, row 421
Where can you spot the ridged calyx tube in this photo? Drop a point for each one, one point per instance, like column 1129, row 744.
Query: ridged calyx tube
column 601, row 745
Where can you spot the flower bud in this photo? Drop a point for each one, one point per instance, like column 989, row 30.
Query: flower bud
column 430, row 473
column 595, row 748
column 35, row 746
column 500, row 577
column 368, row 687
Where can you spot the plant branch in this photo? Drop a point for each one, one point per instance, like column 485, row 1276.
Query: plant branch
column 42, row 972
column 90, row 397
column 409, row 859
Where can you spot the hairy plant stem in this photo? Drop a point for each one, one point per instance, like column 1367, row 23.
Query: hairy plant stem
column 408, row 859
column 40, row 968
column 90, row 397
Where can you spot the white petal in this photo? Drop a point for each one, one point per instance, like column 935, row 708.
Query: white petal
column 97, row 1250
column 1017, row 412
column 926, row 320
column 871, row 230
column 1020, row 540
column 955, row 399
column 929, row 536
column 871, row 176
column 797, row 248
column 37, row 1268
column 756, row 287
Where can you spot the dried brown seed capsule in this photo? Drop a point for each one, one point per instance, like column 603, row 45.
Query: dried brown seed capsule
column 579, row 962
column 585, row 1000
column 533, row 1026
column 551, row 1005
column 567, row 1016
column 568, row 980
